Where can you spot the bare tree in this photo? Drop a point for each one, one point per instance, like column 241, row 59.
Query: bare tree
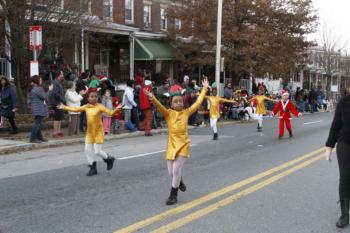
column 61, row 22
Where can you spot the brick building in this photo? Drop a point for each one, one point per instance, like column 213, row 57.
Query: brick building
column 122, row 36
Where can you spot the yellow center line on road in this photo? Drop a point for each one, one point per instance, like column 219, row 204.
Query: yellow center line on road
column 166, row 214
column 229, row 200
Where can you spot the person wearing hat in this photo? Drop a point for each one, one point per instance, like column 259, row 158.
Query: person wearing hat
column 146, row 108
column 285, row 107
column 260, row 106
column 178, row 142
column 214, row 105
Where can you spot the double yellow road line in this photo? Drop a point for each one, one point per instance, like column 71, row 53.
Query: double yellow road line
column 291, row 166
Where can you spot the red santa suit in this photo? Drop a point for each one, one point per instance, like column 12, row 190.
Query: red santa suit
column 285, row 109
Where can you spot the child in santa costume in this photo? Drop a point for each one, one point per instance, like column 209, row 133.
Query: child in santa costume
column 260, row 106
column 94, row 133
column 214, row 105
column 178, row 145
column 285, row 107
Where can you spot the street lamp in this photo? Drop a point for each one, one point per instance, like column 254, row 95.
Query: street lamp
column 218, row 46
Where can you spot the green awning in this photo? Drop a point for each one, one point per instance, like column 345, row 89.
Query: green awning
column 153, row 50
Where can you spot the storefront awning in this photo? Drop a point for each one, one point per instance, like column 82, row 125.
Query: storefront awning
column 153, row 50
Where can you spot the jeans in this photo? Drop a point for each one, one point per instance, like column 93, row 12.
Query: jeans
column 36, row 130
column 136, row 117
column 82, row 122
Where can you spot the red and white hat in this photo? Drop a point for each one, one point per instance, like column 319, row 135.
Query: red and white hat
column 175, row 90
column 102, row 78
column 285, row 93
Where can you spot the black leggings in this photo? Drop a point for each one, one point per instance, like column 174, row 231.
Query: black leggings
column 12, row 123
column 343, row 154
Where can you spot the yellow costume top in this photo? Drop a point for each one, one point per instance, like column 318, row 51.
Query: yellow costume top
column 260, row 103
column 215, row 105
column 178, row 141
column 94, row 132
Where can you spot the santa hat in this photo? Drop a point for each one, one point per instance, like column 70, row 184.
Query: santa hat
column 285, row 93
column 102, row 78
column 175, row 90
column 148, row 83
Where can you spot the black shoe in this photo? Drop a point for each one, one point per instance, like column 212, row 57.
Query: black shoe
column 182, row 186
column 259, row 129
column 280, row 137
column 35, row 141
column 14, row 132
column 110, row 162
column 172, row 199
column 93, row 170
column 290, row 134
column 216, row 136
column 344, row 218
column 44, row 140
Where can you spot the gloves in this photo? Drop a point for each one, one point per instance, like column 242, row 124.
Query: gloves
column 328, row 154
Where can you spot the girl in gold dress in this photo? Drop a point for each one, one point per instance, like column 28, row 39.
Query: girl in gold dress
column 94, row 133
column 178, row 142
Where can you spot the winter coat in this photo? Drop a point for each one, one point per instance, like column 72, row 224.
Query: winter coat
column 38, row 99
column 57, row 94
column 144, row 101
column 128, row 98
column 8, row 101
column 73, row 99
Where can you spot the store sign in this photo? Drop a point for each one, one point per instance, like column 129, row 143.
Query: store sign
column 35, row 38
column 34, row 68
column 101, row 70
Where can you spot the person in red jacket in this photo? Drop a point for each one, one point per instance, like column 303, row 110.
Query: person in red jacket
column 285, row 107
column 145, row 106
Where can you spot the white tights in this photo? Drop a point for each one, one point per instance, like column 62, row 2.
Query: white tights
column 175, row 170
column 91, row 154
column 213, row 126
column 259, row 117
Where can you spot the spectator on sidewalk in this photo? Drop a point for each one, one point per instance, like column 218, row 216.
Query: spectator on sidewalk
column 38, row 100
column 107, row 119
column 73, row 99
column 83, row 84
column 57, row 98
column 128, row 104
column 8, row 102
column 146, row 108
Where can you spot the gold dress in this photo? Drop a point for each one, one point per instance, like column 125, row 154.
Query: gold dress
column 215, row 105
column 94, row 132
column 260, row 104
column 178, row 141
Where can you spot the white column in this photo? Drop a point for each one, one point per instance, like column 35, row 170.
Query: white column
column 302, row 79
column 87, row 51
column 82, row 55
column 8, row 49
column 218, row 46
column 132, row 54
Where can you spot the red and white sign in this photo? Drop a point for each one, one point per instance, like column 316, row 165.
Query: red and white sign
column 35, row 38
column 34, row 68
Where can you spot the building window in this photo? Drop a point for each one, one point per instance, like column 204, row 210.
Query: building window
column 163, row 20
column 129, row 13
column 177, row 24
column 107, row 8
column 147, row 16
column 85, row 6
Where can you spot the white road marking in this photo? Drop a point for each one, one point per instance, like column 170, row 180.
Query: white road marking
column 146, row 154
column 313, row 122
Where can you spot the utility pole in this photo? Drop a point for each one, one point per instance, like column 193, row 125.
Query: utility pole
column 218, row 46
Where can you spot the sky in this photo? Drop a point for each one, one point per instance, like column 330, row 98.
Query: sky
column 334, row 15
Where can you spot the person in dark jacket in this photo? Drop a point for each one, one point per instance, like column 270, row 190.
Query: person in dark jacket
column 8, row 102
column 340, row 134
column 38, row 100
column 57, row 98
column 83, row 85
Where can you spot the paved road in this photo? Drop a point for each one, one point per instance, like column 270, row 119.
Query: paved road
column 47, row 190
